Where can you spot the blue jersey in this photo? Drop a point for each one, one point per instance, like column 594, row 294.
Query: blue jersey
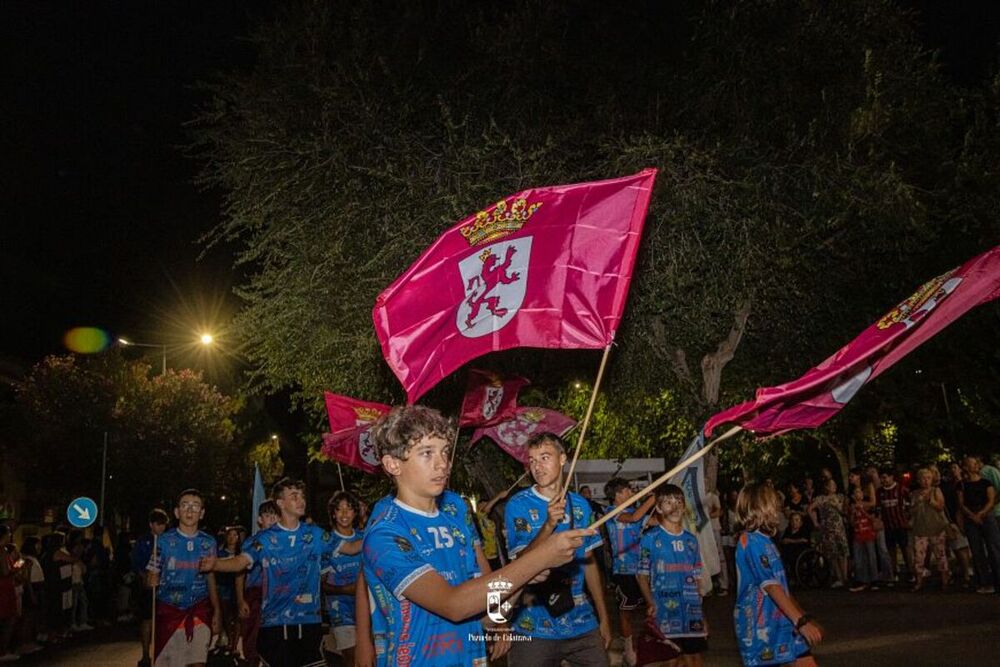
column 292, row 562
column 343, row 571
column 673, row 564
column 624, row 538
column 400, row 547
column 254, row 577
column 764, row 634
column 524, row 517
column 178, row 556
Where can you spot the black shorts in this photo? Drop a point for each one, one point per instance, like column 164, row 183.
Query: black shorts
column 629, row 593
column 691, row 645
column 895, row 537
column 291, row 645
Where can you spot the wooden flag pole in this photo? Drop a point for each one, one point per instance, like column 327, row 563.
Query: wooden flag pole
column 586, row 421
column 340, row 474
column 511, row 487
column 152, row 625
column 454, row 445
column 665, row 476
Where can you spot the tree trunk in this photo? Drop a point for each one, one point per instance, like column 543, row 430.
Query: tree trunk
column 842, row 462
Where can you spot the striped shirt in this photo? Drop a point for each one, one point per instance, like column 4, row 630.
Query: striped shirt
column 894, row 503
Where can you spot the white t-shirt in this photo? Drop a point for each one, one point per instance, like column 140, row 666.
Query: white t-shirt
column 37, row 575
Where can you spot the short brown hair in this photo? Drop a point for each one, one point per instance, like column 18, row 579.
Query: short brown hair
column 757, row 508
column 540, row 439
column 286, row 483
column 397, row 432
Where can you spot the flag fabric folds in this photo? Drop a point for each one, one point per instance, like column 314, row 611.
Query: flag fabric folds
column 692, row 481
column 349, row 440
column 346, row 413
column 824, row 390
column 353, row 448
column 512, row 434
column 547, row 267
column 489, row 398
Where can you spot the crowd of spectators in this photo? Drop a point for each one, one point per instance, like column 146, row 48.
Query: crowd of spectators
column 892, row 527
column 60, row 585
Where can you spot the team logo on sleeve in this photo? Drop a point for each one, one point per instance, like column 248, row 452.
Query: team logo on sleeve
column 307, row 538
column 765, row 562
column 521, row 525
column 403, row 544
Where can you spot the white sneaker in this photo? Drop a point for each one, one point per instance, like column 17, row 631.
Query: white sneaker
column 9, row 657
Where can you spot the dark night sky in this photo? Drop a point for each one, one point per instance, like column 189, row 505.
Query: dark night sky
column 98, row 214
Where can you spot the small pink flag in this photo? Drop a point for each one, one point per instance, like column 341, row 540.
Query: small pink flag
column 346, row 413
column 547, row 267
column 824, row 390
column 511, row 435
column 489, row 398
column 353, row 448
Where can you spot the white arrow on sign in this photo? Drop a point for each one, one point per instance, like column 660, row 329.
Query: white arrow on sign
column 83, row 511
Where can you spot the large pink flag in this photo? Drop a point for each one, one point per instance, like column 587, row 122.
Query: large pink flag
column 547, row 267
column 353, row 447
column 346, row 413
column 512, row 434
column 819, row 394
column 489, row 398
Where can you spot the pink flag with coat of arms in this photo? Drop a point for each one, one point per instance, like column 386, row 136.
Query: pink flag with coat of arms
column 489, row 398
column 346, row 413
column 547, row 267
column 350, row 422
column 824, row 390
column 512, row 434
column 353, row 448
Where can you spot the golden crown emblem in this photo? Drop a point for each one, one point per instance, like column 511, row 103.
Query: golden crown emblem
column 502, row 221
column 367, row 414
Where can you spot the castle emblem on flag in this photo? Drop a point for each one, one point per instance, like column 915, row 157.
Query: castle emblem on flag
column 494, row 280
column 923, row 301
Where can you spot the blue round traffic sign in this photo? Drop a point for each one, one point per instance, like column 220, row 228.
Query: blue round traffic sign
column 82, row 512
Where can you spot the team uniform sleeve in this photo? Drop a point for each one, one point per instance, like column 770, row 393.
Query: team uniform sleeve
column 252, row 549
column 645, row 556
column 514, row 515
column 394, row 558
column 758, row 562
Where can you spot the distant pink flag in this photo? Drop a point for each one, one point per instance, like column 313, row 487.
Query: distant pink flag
column 489, row 398
column 512, row 434
column 353, row 448
column 547, row 267
column 821, row 393
column 346, row 413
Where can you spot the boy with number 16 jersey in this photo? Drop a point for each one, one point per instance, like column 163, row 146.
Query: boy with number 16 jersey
column 669, row 576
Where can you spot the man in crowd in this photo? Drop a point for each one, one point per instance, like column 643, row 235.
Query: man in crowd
column 141, row 554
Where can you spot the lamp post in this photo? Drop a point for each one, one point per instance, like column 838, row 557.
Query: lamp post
column 128, row 343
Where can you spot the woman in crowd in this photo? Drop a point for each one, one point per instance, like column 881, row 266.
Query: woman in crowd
column 827, row 512
column 928, row 528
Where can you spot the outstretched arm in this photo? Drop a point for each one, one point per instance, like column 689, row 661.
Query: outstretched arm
column 468, row 599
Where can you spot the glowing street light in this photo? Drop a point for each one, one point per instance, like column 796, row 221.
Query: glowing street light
column 207, row 339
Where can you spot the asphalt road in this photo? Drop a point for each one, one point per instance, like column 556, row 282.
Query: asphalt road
column 884, row 629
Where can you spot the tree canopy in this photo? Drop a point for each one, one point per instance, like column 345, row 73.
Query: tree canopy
column 154, row 423
column 816, row 166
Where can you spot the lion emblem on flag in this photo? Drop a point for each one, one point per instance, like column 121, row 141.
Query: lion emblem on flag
column 494, row 280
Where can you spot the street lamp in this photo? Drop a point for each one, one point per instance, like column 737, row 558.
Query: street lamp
column 207, row 339
column 129, row 343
